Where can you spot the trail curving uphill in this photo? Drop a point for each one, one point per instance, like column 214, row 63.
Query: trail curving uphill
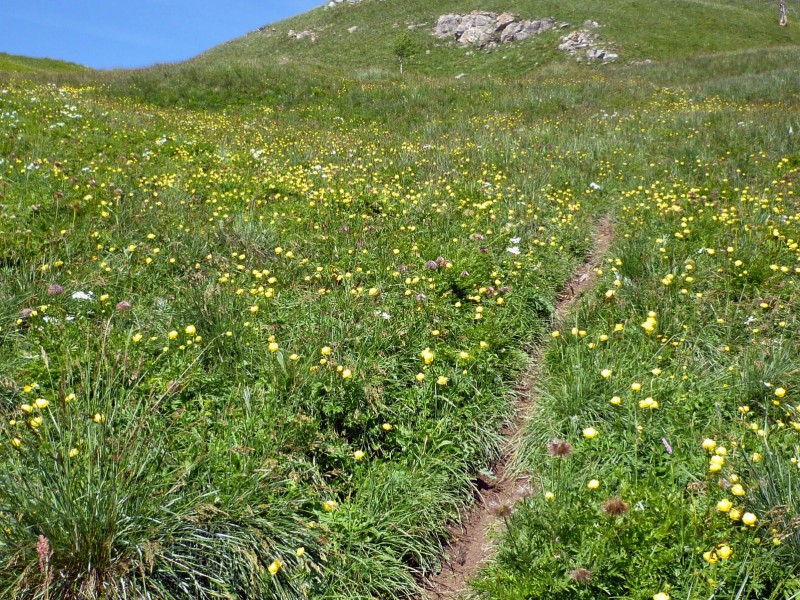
column 471, row 544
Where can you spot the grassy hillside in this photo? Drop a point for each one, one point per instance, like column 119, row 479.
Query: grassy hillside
column 10, row 63
column 688, row 41
column 638, row 30
column 262, row 313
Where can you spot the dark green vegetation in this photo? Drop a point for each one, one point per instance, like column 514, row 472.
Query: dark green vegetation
column 261, row 312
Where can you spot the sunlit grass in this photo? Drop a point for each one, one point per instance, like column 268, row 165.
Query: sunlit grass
column 259, row 322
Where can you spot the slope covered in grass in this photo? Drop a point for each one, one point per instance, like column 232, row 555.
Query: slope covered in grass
column 638, row 30
column 11, row 63
column 664, row 445
column 261, row 312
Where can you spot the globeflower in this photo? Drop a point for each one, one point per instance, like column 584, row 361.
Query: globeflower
column 724, row 551
column 606, row 373
column 274, row 567
column 589, row 433
column 749, row 519
column 724, row 505
column 593, row 484
column 648, row 403
column 649, row 325
column 427, row 356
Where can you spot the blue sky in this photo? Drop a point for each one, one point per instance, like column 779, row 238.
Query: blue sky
column 111, row 33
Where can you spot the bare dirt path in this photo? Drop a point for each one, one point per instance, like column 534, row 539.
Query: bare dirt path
column 471, row 544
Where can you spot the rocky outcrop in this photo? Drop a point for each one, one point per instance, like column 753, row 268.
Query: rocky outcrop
column 585, row 44
column 302, row 35
column 335, row 3
column 485, row 29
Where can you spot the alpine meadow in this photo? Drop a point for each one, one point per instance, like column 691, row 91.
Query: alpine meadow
column 486, row 299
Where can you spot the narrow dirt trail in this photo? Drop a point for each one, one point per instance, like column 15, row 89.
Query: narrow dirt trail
column 471, row 545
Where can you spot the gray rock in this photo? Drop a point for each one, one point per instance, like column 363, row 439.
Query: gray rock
column 510, row 32
column 485, row 29
column 477, row 29
column 447, row 26
column 531, row 28
column 505, row 20
column 302, row 35
column 577, row 40
column 586, row 44
column 478, row 36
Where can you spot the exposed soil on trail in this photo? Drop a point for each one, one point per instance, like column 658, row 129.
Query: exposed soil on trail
column 471, row 544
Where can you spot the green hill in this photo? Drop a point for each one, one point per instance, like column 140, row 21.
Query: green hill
column 10, row 63
column 275, row 320
column 638, row 30
column 682, row 40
